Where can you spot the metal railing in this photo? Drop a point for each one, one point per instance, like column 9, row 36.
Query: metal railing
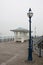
column 6, row 39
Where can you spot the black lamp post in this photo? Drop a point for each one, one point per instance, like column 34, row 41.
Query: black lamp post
column 40, row 49
column 30, row 14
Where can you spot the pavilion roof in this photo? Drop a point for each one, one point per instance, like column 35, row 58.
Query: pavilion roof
column 20, row 30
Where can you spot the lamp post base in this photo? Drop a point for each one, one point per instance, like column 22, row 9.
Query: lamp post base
column 29, row 54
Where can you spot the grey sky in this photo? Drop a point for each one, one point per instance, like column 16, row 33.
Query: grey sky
column 13, row 14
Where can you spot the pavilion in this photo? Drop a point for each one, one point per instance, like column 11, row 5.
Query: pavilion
column 20, row 34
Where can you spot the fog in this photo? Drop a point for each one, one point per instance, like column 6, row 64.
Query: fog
column 13, row 14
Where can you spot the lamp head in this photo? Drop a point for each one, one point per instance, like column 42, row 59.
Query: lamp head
column 30, row 14
column 29, row 9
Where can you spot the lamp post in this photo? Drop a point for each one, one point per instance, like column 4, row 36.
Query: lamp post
column 30, row 14
column 40, row 50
